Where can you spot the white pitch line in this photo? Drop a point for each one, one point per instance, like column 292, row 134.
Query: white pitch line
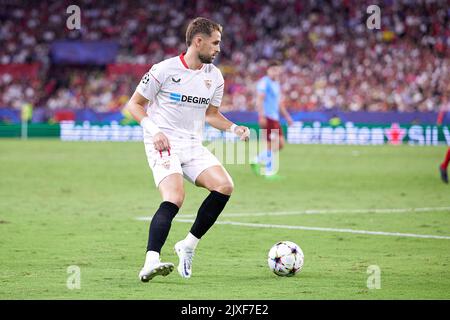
column 278, row 226
column 381, row 233
column 326, row 211
column 334, row 211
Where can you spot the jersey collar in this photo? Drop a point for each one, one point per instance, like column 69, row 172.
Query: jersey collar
column 185, row 64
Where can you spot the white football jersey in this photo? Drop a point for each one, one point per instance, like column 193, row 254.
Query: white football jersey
column 180, row 96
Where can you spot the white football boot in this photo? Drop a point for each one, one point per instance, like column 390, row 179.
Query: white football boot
column 150, row 270
column 185, row 255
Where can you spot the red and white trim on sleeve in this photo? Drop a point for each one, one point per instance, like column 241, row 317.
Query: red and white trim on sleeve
column 154, row 78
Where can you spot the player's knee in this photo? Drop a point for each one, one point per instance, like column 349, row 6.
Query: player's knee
column 176, row 198
column 177, row 201
column 225, row 187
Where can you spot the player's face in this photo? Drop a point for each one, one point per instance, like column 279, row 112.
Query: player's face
column 209, row 47
column 274, row 72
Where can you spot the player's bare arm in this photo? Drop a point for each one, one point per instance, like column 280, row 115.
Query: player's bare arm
column 216, row 119
column 136, row 106
column 285, row 113
column 260, row 109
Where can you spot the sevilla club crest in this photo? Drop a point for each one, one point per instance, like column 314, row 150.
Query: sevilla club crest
column 208, row 84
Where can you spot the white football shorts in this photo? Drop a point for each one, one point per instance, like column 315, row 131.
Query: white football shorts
column 189, row 160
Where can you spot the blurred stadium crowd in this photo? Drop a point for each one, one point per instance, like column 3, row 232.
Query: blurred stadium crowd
column 332, row 60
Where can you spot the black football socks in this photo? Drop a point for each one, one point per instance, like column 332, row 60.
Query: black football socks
column 208, row 213
column 160, row 225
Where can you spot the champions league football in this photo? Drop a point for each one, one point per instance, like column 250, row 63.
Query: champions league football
column 285, row 259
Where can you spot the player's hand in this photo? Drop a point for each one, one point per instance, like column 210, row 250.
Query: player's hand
column 161, row 142
column 242, row 132
column 290, row 122
column 262, row 122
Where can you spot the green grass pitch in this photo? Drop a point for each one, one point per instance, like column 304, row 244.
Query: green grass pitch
column 76, row 203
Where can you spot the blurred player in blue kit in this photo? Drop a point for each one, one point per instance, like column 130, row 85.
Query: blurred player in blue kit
column 269, row 104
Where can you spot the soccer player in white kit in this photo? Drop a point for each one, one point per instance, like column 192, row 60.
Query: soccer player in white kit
column 182, row 93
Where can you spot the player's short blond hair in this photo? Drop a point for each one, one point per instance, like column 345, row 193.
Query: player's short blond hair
column 203, row 26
